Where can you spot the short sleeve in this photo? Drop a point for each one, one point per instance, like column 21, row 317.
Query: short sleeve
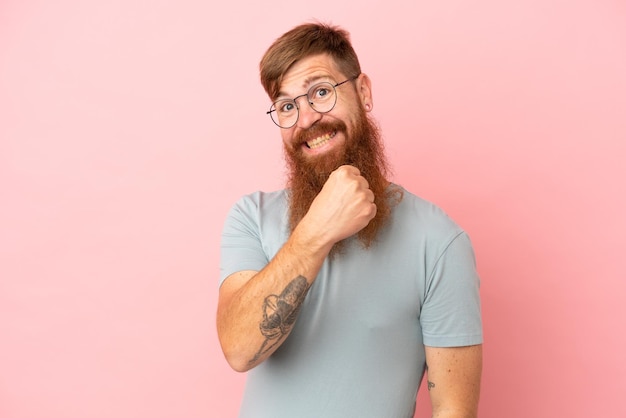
column 241, row 247
column 450, row 315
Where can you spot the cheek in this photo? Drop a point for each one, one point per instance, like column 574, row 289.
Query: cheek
column 287, row 137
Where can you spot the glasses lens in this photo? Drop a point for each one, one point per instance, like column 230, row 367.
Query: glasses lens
column 322, row 97
column 284, row 113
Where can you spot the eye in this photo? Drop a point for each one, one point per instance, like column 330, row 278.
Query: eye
column 285, row 106
column 320, row 92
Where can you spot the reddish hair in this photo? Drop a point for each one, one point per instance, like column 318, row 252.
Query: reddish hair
column 303, row 41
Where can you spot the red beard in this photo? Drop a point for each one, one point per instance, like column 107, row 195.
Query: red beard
column 363, row 149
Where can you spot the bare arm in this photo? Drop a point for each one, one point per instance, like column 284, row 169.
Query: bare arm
column 257, row 310
column 454, row 380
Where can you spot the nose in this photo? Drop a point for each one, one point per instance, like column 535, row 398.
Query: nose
column 306, row 115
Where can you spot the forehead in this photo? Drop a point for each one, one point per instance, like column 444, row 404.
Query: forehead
column 308, row 71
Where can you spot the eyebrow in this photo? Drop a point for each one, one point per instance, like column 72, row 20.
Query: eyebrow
column 307, row 82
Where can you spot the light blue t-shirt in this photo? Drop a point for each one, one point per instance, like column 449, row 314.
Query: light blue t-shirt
column 357, row 347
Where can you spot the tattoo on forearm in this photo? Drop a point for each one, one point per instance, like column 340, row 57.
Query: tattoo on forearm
column 430, row 385
column 280, row 313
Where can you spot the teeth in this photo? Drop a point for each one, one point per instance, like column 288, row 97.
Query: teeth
column 319, row 141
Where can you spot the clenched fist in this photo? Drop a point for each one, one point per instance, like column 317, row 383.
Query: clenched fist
column 344, row 206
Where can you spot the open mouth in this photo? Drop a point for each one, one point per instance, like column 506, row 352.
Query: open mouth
column 320, row 140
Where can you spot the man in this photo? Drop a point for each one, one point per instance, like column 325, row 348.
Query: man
column 337, row 293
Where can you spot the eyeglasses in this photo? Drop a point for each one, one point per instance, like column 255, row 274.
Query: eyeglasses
column 322, row 98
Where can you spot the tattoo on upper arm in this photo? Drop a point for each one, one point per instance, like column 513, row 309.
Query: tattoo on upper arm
column 431, row 385
column 280, row 313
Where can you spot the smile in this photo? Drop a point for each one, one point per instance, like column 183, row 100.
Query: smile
column 320, row 140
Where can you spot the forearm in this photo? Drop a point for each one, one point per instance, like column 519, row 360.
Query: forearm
column 255, row 319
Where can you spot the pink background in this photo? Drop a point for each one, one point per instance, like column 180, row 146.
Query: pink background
column 128, row 128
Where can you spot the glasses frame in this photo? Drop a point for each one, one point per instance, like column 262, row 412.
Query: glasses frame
column 295, row 101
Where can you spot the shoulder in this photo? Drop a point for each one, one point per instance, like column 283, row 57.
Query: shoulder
column 259, row 204
column 262, row 200
column 260, row 214
column 424, row 217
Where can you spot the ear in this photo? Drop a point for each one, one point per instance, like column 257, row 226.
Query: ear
column 364, row 90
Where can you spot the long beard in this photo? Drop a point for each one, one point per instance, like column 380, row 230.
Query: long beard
column 363, row 149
